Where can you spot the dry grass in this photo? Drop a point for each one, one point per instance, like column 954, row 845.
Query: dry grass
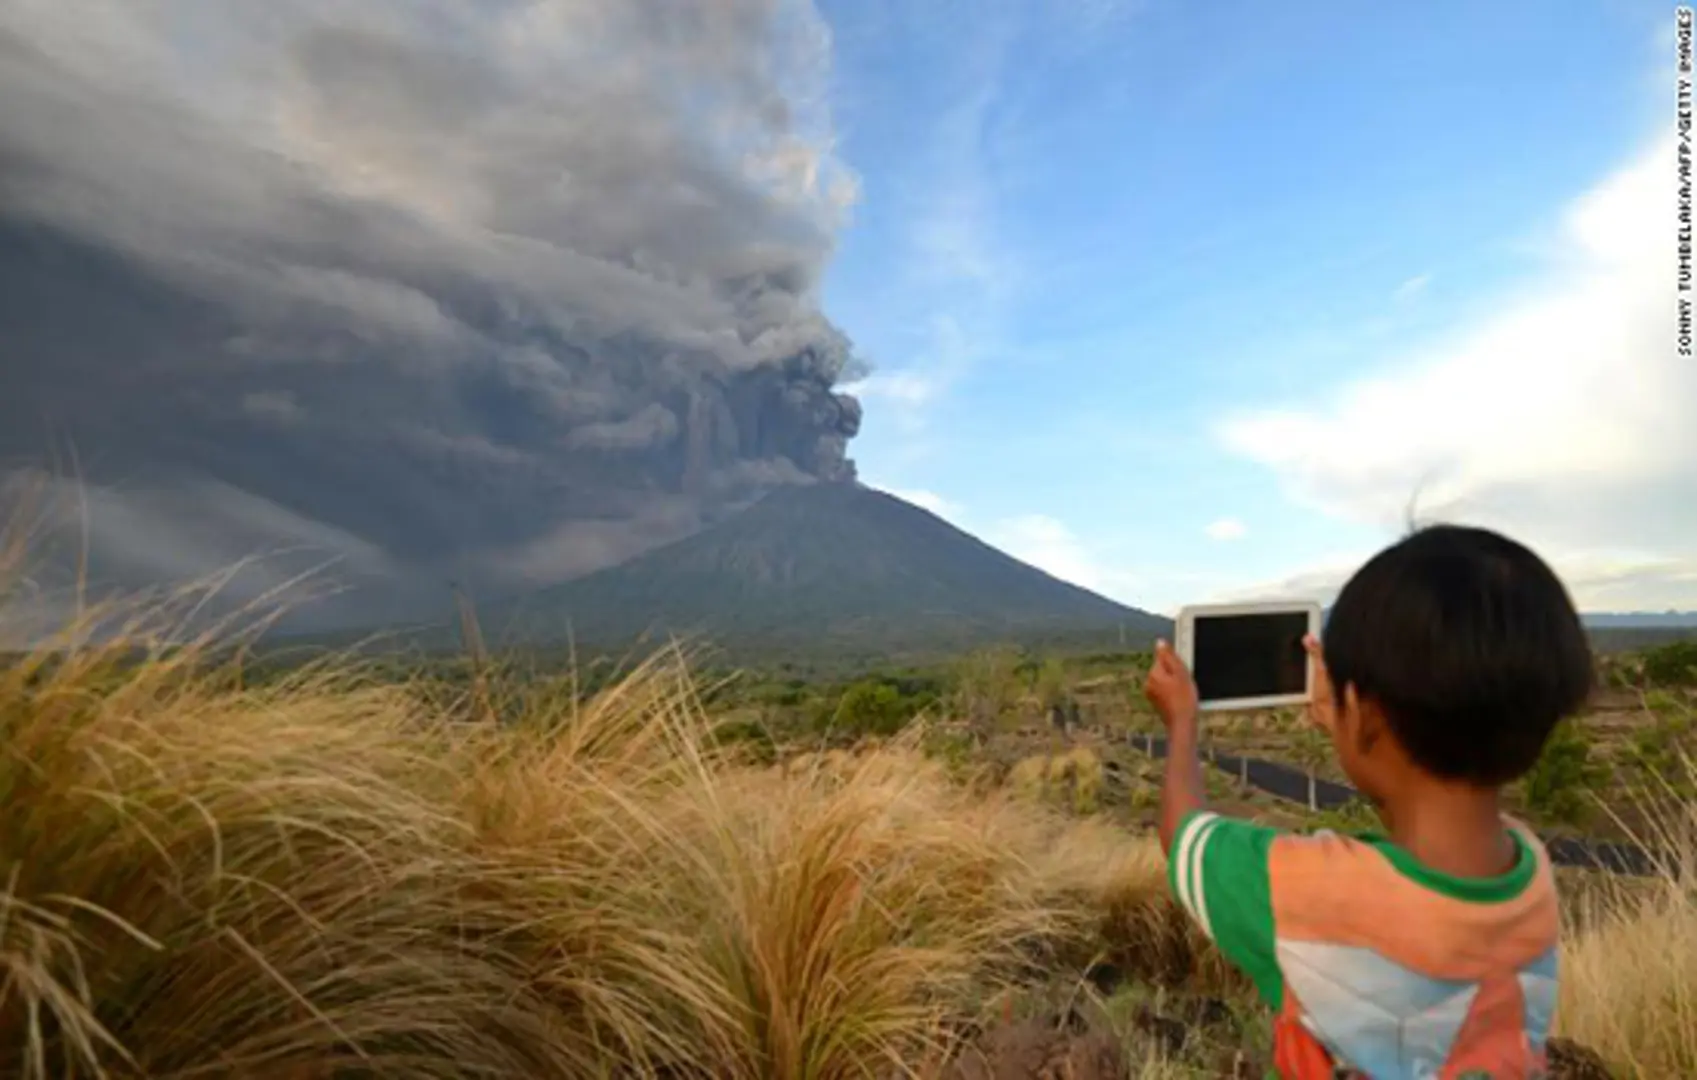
column 330, row 876
column 1072, row 777
column 1629, row 968
column 1629, row 982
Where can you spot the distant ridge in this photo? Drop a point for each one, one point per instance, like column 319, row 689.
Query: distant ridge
column 1631, row 620
column 1647, row 620
column 1618, row 632
column 825, row 567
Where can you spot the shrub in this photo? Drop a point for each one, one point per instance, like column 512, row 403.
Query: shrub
column 1072, row 780
column 1355, row 816
column 1313, row 750
column 986, row 686
column 1673, row 664
column 752, row 736
column 872, row 708
column 787, row 694
column 1049, row 683
column 1559, row 785
column 1620, row 673
column 1081, row 772
column 1661, row 746
column 954, row 749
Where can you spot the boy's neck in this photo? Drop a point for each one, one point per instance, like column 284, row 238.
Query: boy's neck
column 1454, row 829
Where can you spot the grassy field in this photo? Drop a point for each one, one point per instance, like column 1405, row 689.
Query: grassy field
column 340, row 870
column 1615, row 772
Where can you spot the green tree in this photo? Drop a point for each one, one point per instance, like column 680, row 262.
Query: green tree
column 1558, row 785
column 1312, row 748
column 1662, row 746
column 1049, row 684
column 1620, row 673
column 986, row 687
column 753, row 735
column 871, row 708
column 1673, row 664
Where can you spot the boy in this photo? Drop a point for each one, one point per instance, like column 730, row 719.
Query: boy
column 1429, row 951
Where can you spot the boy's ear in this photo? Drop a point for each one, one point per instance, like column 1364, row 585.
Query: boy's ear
column 1365, row 720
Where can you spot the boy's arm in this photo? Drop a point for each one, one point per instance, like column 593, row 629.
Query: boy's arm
column 1217, row 868
column 1182, row 790
column 1173, row 693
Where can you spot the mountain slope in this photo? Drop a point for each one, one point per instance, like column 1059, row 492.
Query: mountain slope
column 827, row 565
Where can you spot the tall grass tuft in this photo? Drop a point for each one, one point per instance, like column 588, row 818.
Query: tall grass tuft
column 331, row 874
column 203, row 881
column 1629, row 967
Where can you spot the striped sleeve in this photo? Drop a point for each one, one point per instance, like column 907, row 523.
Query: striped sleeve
column 1218, row 872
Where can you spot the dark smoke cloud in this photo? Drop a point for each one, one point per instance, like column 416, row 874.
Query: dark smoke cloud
column 509, row 289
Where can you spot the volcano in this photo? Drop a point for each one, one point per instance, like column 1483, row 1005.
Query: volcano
column 829, row 567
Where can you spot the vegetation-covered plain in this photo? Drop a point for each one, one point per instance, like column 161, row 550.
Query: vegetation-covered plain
column 341, row 868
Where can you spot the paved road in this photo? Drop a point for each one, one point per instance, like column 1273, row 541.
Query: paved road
column 1291, row 784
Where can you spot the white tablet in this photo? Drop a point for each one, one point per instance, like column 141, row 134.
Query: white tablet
column 1248, row 656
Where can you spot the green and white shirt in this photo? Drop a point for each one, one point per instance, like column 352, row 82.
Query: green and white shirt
column 1375, row 965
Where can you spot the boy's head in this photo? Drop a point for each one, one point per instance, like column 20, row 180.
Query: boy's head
column 1463, row 647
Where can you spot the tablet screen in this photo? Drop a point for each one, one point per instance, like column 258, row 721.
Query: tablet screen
column 1250, row 656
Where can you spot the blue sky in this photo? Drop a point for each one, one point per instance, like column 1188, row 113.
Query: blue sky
column 1178, row 300
column 1187, row 301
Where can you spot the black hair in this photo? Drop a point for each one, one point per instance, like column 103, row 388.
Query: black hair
column 1470, row 645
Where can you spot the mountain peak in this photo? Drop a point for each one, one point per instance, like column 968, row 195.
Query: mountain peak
column 828, row 564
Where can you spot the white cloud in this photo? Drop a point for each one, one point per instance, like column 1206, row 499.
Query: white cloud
column 1047, row 544
column 1597, row 582
column 1411, row 288
column 956, row 272
column 1320, row 582
column 905, row 394
column 1226, row 530
column 928, row 500
column 910, row 388
column 1624, row 583
column 955, row 241
column 1564, row 420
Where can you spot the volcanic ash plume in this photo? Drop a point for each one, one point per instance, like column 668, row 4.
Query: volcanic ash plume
column 509, row 290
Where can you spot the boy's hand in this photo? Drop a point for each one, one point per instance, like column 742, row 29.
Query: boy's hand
column 1170, row 688
column 1322, row 709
